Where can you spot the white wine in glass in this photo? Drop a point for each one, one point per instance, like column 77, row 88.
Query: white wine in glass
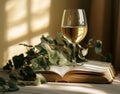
column 74, row 34
column 74, row 26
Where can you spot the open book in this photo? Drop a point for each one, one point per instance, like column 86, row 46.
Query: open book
column 89, row 72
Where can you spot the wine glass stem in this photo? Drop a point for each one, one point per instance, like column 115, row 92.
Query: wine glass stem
column 74, row 55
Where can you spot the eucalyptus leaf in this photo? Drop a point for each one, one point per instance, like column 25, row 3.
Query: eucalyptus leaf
column 12, row 85
column 98, row 46
column 2, row 81
column 40, row 63
column 108, row 57
column 35, row 63
column 40, row 79
column 62, row 60
column 52, row 54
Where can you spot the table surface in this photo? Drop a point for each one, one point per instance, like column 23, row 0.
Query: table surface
column 71, row 88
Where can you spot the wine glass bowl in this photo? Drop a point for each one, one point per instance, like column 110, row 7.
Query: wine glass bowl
column 74, row 25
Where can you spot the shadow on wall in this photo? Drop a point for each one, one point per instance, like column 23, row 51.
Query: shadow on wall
column 24, row 21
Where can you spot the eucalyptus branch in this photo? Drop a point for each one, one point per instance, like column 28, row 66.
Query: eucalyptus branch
column 49, row 52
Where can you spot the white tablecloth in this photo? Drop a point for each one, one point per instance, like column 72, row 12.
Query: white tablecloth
column 72, row 88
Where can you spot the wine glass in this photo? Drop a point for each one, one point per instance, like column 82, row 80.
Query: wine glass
column 74, row 27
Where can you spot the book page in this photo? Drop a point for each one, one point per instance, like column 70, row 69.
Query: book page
column 92, row 66
column 61, row 70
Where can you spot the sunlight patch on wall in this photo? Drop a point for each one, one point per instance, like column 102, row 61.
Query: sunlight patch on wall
column 41, row 16
column 40, row 23
column 40, row 5
column 16, row 23
column 17, row 32
column 16, row 11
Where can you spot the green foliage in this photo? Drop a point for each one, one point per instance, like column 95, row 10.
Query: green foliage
column 8, row 86
column 40, row 63
column 46, row 53
column 12, row 85
column 97, row 45
column 40, row 79
column 2, row 81
column 107, row 57
column 8, row 66
column 28, row 74
column 51, row 52
column 18, row 61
